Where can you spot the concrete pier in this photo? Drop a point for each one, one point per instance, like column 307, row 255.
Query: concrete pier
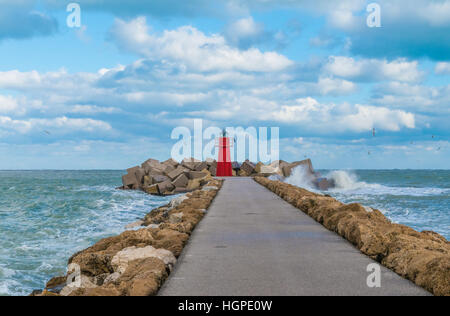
column 253, row 243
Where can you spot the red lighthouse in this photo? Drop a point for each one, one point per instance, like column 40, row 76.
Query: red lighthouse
column 224, row 168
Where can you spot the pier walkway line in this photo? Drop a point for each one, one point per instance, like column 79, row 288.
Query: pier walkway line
column 253, row 243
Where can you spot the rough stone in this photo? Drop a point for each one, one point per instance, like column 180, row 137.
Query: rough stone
column 153, row 167
column 153, row 189
column 176, row 173
column 194, row 184
column 147, row 182
column 129, row 180
column 165, row 187
column 213, row 170
column 140, row 174
column 121, row 260
column 133, row 170
column 177, row 201
column 201, row 166
column 159, row 179
column 236, row 165
column 248, row 167
column 190, row 165
column 287, row 168
column 181, row 182
column 243, row 173
column 134, row 225
column 176, row 218
column 196, row 174
column 171, row 162
column 168, row 169
column 84, row 283
column 143, row 277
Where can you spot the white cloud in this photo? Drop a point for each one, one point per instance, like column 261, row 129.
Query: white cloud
column 442, row 68
column 193, row 49
column 55, row 125
column 341, row 118
column 333, row 86
column 368, row 117
column 244, row 30
column 425, row 99
column 93, row 109
column 15, row 78
column 373, row 69
column 344, row 19
column 8, row 104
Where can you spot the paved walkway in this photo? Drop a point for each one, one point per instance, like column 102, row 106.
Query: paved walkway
column 253, row 243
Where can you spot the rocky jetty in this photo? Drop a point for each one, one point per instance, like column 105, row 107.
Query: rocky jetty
column 136, row 262
column 170, row 177
column 422, row 257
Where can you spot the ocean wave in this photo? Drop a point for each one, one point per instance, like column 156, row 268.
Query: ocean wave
column 348, row 183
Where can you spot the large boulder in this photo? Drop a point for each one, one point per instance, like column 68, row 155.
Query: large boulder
column 189, row 165
column 159, row 179
column 176, row 173
column 236, row 166
column 129, row 181
column 287, row 169
column 151, row 162
column 140, row 174
column 194, row 184
column 147, row 182
column 168, row 169
column 165, row 187
column 213, row 169
column 248, row 167
column 121, row 260
column 143, row 277
column 153, row 167
column 201, row 166
column 153, row 189
column 181, row 181
column 171, row 162
column 132, row 170
column 196, row 174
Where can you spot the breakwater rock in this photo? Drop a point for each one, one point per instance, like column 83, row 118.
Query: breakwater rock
column 170, row 177
column 136, row 262
column 422, row 257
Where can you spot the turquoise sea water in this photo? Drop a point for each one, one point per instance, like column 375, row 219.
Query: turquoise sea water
column 46, row 216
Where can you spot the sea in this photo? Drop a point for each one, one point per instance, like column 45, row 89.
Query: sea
column 47, row 216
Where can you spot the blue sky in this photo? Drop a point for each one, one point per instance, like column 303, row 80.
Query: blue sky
column 108, row 94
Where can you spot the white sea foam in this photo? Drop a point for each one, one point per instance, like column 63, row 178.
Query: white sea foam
column 301, row 177
column 348, row 183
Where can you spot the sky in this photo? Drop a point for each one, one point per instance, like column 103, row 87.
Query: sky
column 108, row 94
